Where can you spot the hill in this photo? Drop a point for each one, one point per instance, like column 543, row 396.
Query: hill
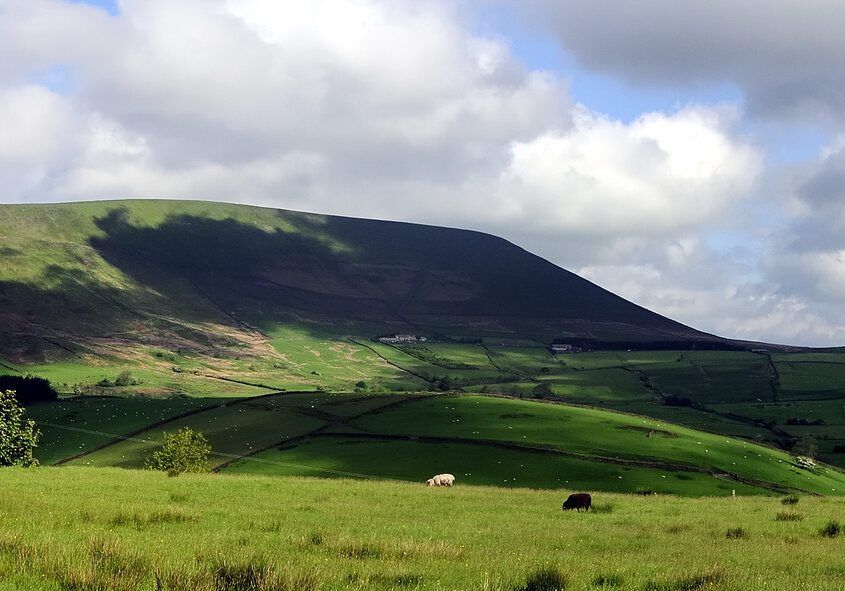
column 100, row 279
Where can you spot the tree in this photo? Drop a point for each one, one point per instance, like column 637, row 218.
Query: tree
column 806, row 446
column 28, row 389
column 542, row 390
column 182, row 451
column 18, row 435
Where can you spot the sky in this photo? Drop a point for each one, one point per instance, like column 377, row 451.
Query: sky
column 687, row 156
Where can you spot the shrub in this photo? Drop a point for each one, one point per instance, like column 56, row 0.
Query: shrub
column 182, row 451
column 735, row 533
column 547, row 578
column 18, row 435
column 831, row 529
column 125, row 378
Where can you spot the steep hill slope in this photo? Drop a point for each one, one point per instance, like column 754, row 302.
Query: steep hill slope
column 102, row 278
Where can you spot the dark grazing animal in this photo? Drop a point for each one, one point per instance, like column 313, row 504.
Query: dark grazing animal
column 578, row 501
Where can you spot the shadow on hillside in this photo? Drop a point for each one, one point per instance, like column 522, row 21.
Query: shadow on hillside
column 331, row 271
column 210, row 268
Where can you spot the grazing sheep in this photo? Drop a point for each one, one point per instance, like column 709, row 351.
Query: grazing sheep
column 578, row 501
column 441, row 480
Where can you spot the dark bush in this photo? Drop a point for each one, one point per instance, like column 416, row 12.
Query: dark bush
column 28, row 389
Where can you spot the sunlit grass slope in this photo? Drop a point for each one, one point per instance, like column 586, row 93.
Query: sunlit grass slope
column 485, row 440
column 132, row 530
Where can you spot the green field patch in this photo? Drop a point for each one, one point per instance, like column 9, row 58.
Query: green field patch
column 524, row 360
column 74, row 425
column 700, row 419
column 473, row 464
column 232, row 431
column 598, row 386
column 593, row 432
column 820, row 376
column 707, row 377
column 330, row 364
column 823, row 412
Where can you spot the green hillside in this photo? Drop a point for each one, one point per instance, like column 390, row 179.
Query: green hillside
column 237, row 320
column 101, row 279
column 483, row 440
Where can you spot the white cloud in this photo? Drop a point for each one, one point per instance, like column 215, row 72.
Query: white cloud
column 34, row 123
column 659, row 174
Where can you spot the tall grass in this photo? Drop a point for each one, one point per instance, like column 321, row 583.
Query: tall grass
column 97, row 529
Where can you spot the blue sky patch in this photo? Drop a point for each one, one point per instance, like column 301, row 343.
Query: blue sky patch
column 109, row 6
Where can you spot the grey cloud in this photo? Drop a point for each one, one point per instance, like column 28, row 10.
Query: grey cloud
column 786, row 56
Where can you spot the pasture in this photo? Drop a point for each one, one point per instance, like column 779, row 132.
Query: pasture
column 91, row 528
column 489, row 440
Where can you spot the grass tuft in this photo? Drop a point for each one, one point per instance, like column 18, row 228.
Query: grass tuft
column 602, row 580
column 790, row 500
column 141, row 520
column 830, row 530
column 109, row 567
column 547, row 578
column 694, row 583
column 788, row 516
column 361, row 550
column 735, row 533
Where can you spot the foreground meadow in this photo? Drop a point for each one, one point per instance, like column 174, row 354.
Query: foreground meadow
column 92, row 528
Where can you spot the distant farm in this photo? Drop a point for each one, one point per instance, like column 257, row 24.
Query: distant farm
column 511, row 416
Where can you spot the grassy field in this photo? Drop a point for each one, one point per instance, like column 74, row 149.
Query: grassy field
column 75, row 425
column 488, row 440
column 74, row 528
column 779, row 400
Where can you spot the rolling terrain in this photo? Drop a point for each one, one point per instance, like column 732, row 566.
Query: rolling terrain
column 260, row 328
column 98, row 280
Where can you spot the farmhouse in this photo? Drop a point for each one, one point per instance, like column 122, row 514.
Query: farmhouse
column 564, row 348
column 402, row 338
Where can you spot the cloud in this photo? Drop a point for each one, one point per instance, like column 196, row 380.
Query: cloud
column 35, row 123
column 785, row 55
column 660, row 174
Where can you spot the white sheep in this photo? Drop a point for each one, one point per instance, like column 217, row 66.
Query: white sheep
column 441, row 480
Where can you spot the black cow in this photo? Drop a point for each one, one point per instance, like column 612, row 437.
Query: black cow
column 578, row 501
